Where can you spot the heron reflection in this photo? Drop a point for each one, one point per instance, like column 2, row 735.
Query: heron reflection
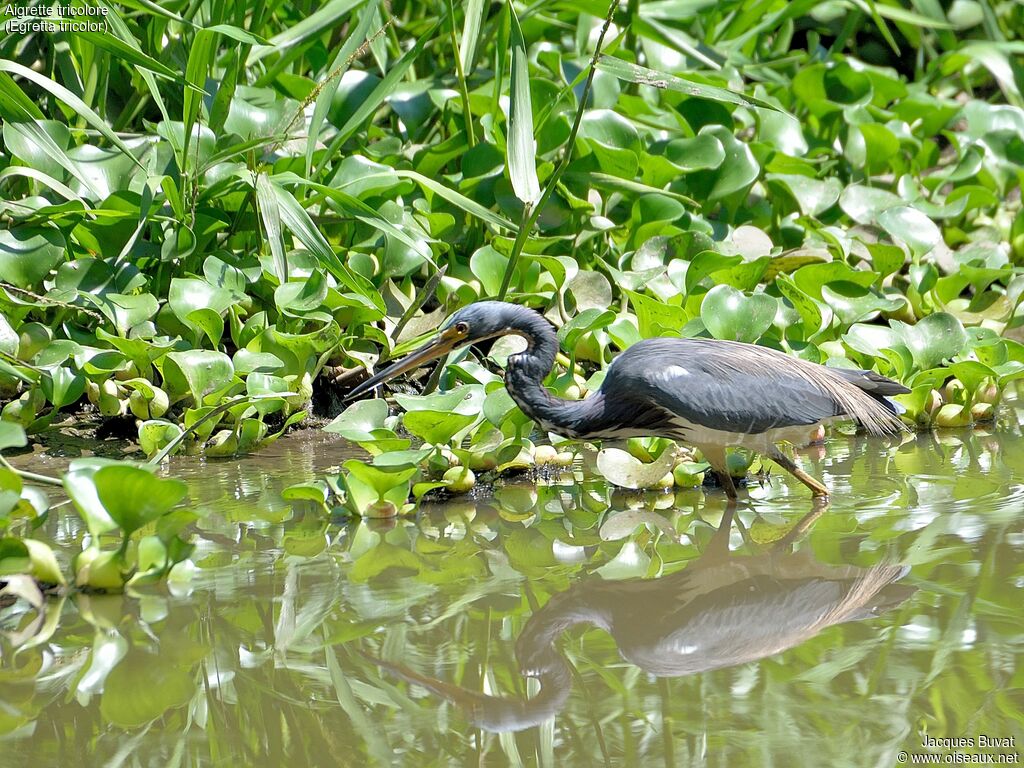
column 722, row 610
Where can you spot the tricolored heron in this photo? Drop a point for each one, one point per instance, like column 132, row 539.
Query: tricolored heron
column 707, row 393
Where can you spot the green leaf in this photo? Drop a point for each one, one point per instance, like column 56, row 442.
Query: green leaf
column 27, row 254
column 73, row 101
column 338, row 67
column 270, row 214
column 934, row 339
column 79, row 482
column 12, row 436
column 197, row 372
column 134, row 496
column 63, row 386
column 359, row 420
column 728, row 314
column 912, row 227
column 145, row 686
column 437, row 427
column 522, row 153
column 634, row 73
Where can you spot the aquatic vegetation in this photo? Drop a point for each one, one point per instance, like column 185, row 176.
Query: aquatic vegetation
column 111, row 498
column 167, row 251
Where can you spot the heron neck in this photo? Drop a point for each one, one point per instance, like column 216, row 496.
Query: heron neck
column 526, row 371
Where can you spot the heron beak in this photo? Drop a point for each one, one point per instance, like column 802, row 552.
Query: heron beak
column 445, row 343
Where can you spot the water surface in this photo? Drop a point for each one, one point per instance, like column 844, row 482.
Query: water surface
column 554, row 624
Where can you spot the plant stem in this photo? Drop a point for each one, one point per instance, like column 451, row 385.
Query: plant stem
column 43, row 479
column 530, row 216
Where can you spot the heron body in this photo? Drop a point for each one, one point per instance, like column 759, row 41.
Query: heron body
column 707, row 393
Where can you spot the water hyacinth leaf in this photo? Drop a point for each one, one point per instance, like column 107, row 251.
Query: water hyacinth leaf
column 864, row 204
column 79, row 482
column 196, row 372
column 729, row 314
column 144, row 686
column 298, row 297
column 359, row 420
column 815, row 314
column 465, row 400
column 27, row 254
column 622, row 524
column 317, row 491
column 910, row 226
column 155, row 435
column 813, row 277
column 134, row 496
column 871, row 339
column 614, row 140
column 656, row 318
column 886, row 259
column 705, row 263
column 488, row 266
column 63, row 386
column 972, row 373
column 854, row 303
column 381, row 479
column 436, row 427
column 813, row 196
column 586, row 321
column 300, row 352
column 934, row 339
column 702, row 152
column 14, row 556
column 522, row 152
column 12, row 436
column 186, row 295
column 393, row 460
column 738, row 171
column 625, row 470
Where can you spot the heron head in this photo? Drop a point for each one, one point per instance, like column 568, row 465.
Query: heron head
column 477, row 322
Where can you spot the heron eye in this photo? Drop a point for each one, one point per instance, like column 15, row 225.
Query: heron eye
column 461, row 328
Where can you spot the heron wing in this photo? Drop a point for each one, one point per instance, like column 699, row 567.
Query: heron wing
column 736, row 387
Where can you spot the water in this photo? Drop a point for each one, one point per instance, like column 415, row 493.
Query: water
column 655, row 630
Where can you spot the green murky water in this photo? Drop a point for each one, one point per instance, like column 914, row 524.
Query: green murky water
column 555, row 624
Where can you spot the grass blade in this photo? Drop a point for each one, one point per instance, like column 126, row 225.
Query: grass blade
column 270, row 213
column 35, row 133
column 73, row 101
column 471, row 207
column 309, row 27
column 330, row 84
column 475, row 13
column 522, row 151
column 386, row 86
column 634, row 73
column 199, row 58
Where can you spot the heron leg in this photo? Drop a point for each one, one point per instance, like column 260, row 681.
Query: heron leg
column 715, row 456
column 817, row 488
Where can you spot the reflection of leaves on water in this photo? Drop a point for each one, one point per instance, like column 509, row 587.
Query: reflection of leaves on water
column 720, row 611
column 258, row 633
